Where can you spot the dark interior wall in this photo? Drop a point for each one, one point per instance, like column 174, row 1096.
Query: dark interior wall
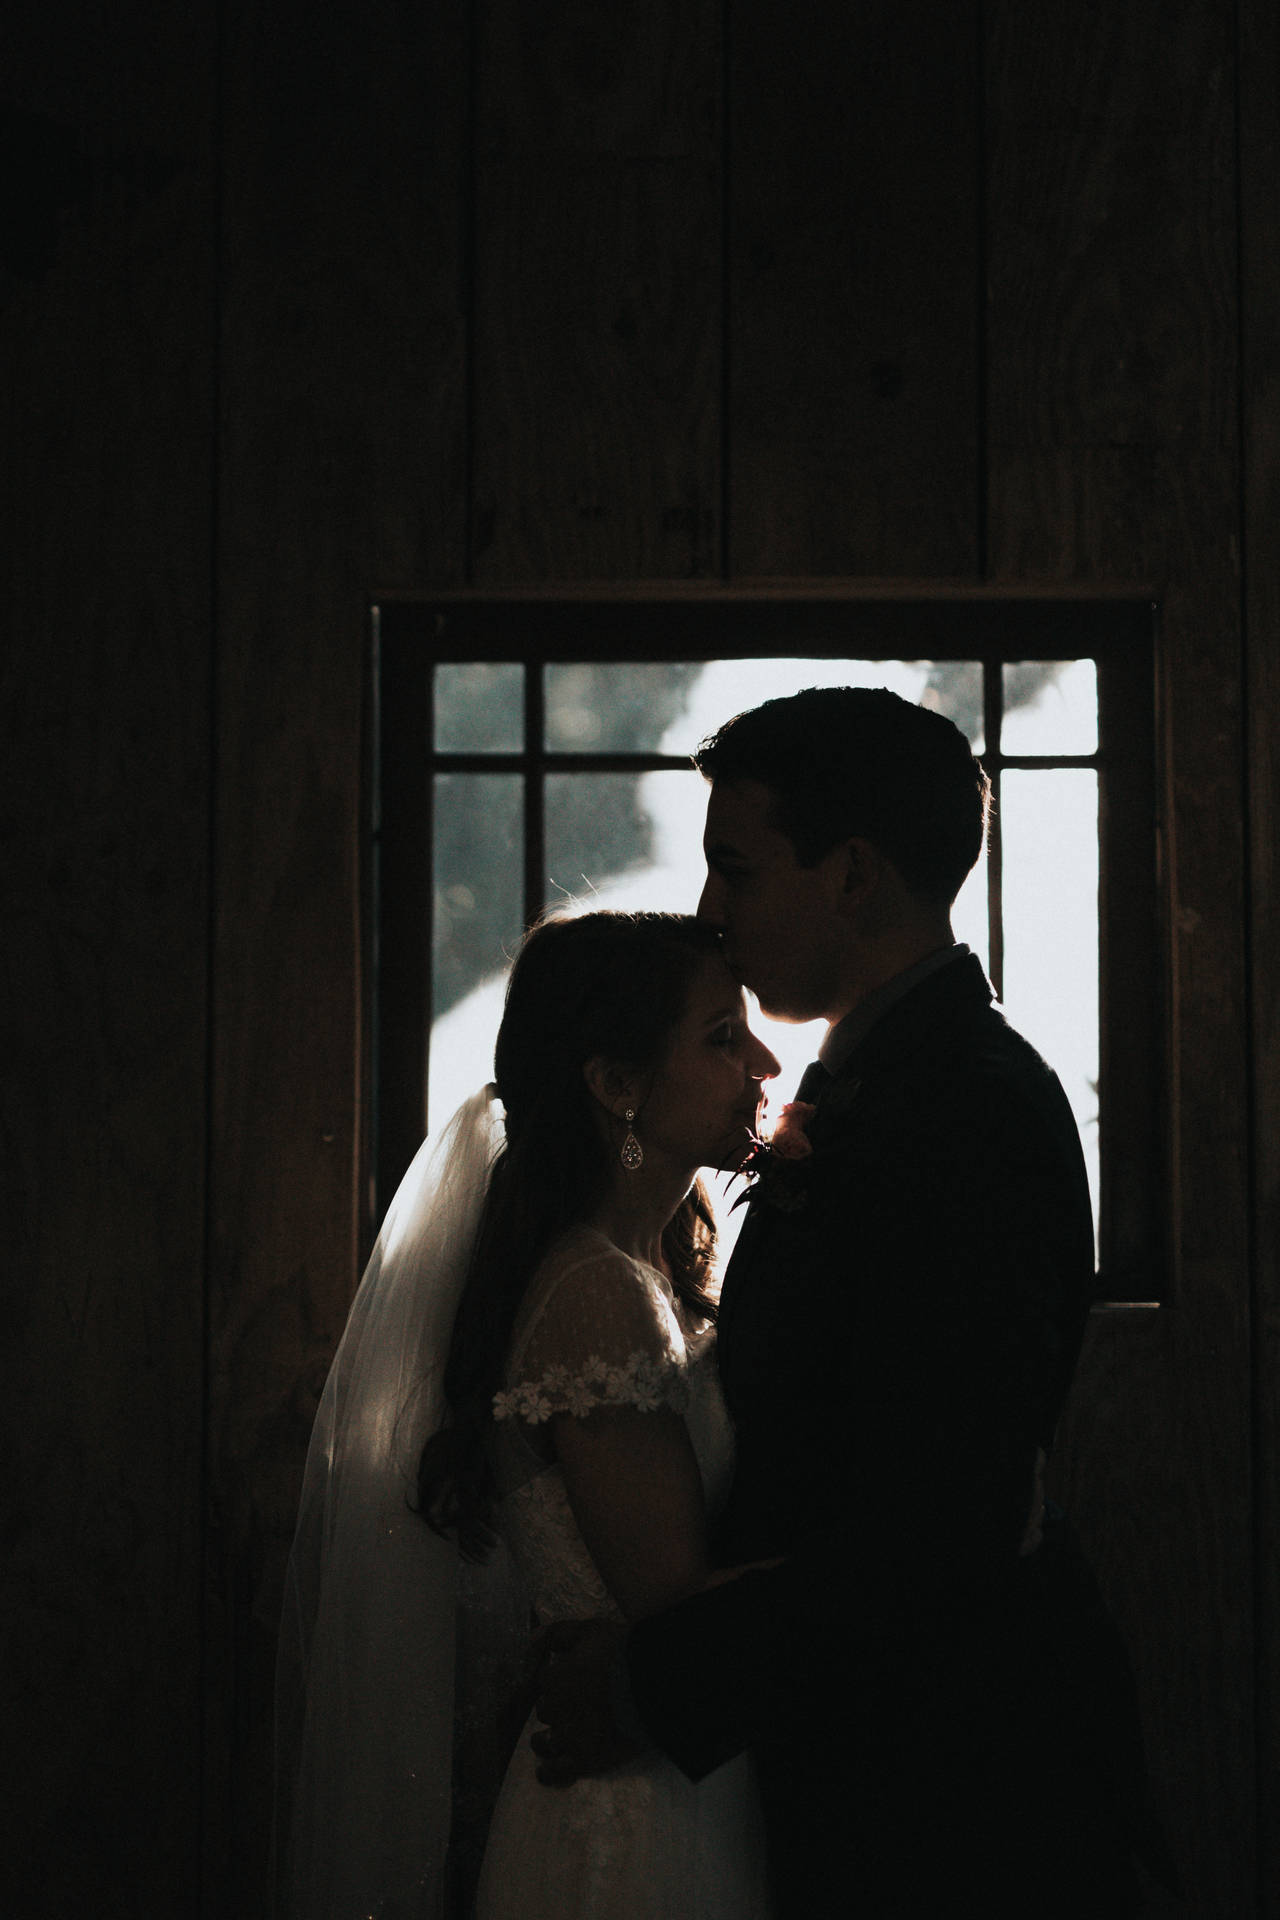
column 1113, row 422
column 342, row 465
column 1259, row 54
column 300, row 305
column 107, row 391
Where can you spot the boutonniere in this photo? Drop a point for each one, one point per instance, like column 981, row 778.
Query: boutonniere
column 774, row 1166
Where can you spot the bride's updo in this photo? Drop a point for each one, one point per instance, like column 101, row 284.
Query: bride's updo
column 607, row 985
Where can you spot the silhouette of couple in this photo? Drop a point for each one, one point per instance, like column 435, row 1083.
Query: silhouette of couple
column 811, row 1643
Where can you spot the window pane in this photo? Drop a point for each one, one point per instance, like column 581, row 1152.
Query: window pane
column 661, row 707
column 480, row 707
column 1049, row 838
column 726, row 687
column 1050, row 706
column 954, row 687
column 617, row 706
column 625, row 840
column 477, row 922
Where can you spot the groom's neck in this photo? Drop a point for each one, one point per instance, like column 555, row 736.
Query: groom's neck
column 874, row 962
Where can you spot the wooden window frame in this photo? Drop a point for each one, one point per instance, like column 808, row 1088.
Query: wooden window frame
column 410, row 635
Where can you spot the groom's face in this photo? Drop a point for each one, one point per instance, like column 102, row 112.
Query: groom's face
column 784, row 935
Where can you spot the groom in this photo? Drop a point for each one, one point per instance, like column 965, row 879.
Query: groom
column 938, row 1709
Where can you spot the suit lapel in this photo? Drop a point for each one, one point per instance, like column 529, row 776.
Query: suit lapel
column 916, row 1023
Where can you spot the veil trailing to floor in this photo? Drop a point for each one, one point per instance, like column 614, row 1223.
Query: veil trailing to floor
column 390, row 1644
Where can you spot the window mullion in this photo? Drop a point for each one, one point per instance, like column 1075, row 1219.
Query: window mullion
column 992, row 715
column 535, row 816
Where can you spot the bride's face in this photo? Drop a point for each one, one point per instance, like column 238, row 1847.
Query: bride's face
column 705, row 1100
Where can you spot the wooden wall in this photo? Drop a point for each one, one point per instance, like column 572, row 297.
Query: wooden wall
column 1259, row 62
column 303, row 304
column 107, row 376
column 1113, row 451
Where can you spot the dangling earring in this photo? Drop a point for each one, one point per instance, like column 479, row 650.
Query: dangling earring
column 632, row 1155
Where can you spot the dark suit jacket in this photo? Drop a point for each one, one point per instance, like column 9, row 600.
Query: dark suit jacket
column 900, row 1323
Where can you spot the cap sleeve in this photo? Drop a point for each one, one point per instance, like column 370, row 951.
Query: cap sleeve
column 601, row 1332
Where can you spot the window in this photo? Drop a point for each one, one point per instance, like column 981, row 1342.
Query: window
column 535, row 750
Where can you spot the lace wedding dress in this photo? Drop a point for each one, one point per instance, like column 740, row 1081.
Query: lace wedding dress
column 643, row 1843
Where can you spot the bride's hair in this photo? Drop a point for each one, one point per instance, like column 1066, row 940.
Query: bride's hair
column 608, row 985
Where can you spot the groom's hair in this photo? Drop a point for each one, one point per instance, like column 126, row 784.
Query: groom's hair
column 841, row 761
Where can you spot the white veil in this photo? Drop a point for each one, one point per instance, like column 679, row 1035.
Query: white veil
column 366, row 1678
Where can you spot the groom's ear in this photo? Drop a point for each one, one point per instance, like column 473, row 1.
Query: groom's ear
column 859, row 871
column 610, row 1084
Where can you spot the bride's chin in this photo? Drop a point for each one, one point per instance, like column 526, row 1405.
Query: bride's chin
column 733, row 1152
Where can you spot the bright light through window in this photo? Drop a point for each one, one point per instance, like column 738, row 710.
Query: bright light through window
column 651, row 858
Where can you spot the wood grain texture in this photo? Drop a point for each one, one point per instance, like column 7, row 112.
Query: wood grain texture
column 1112, row 234
column 1112, row 406
column 106, row 499
column 1259, row 66
column 597, row 292
column 546, row 182
column 343, row 461
column 854, row 146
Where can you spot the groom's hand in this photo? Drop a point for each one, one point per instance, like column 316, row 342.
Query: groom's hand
column 573, row 1697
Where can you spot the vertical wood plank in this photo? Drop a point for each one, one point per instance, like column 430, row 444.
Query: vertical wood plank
column 855, row 368
column 855, row 266
column 597, row 416
column 1112, row 420
column 106, row 506
column 343, row 463
column 1259, row 68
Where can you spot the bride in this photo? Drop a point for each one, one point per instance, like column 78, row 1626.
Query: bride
column 522, row 1425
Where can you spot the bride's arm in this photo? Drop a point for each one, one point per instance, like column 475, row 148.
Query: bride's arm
column 601, row 1369
column 636, row 1494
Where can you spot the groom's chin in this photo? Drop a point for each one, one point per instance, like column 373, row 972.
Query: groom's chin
column 784, row 1016
column 768, row 1004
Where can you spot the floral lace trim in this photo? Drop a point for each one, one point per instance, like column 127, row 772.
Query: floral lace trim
column 641, row 1381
